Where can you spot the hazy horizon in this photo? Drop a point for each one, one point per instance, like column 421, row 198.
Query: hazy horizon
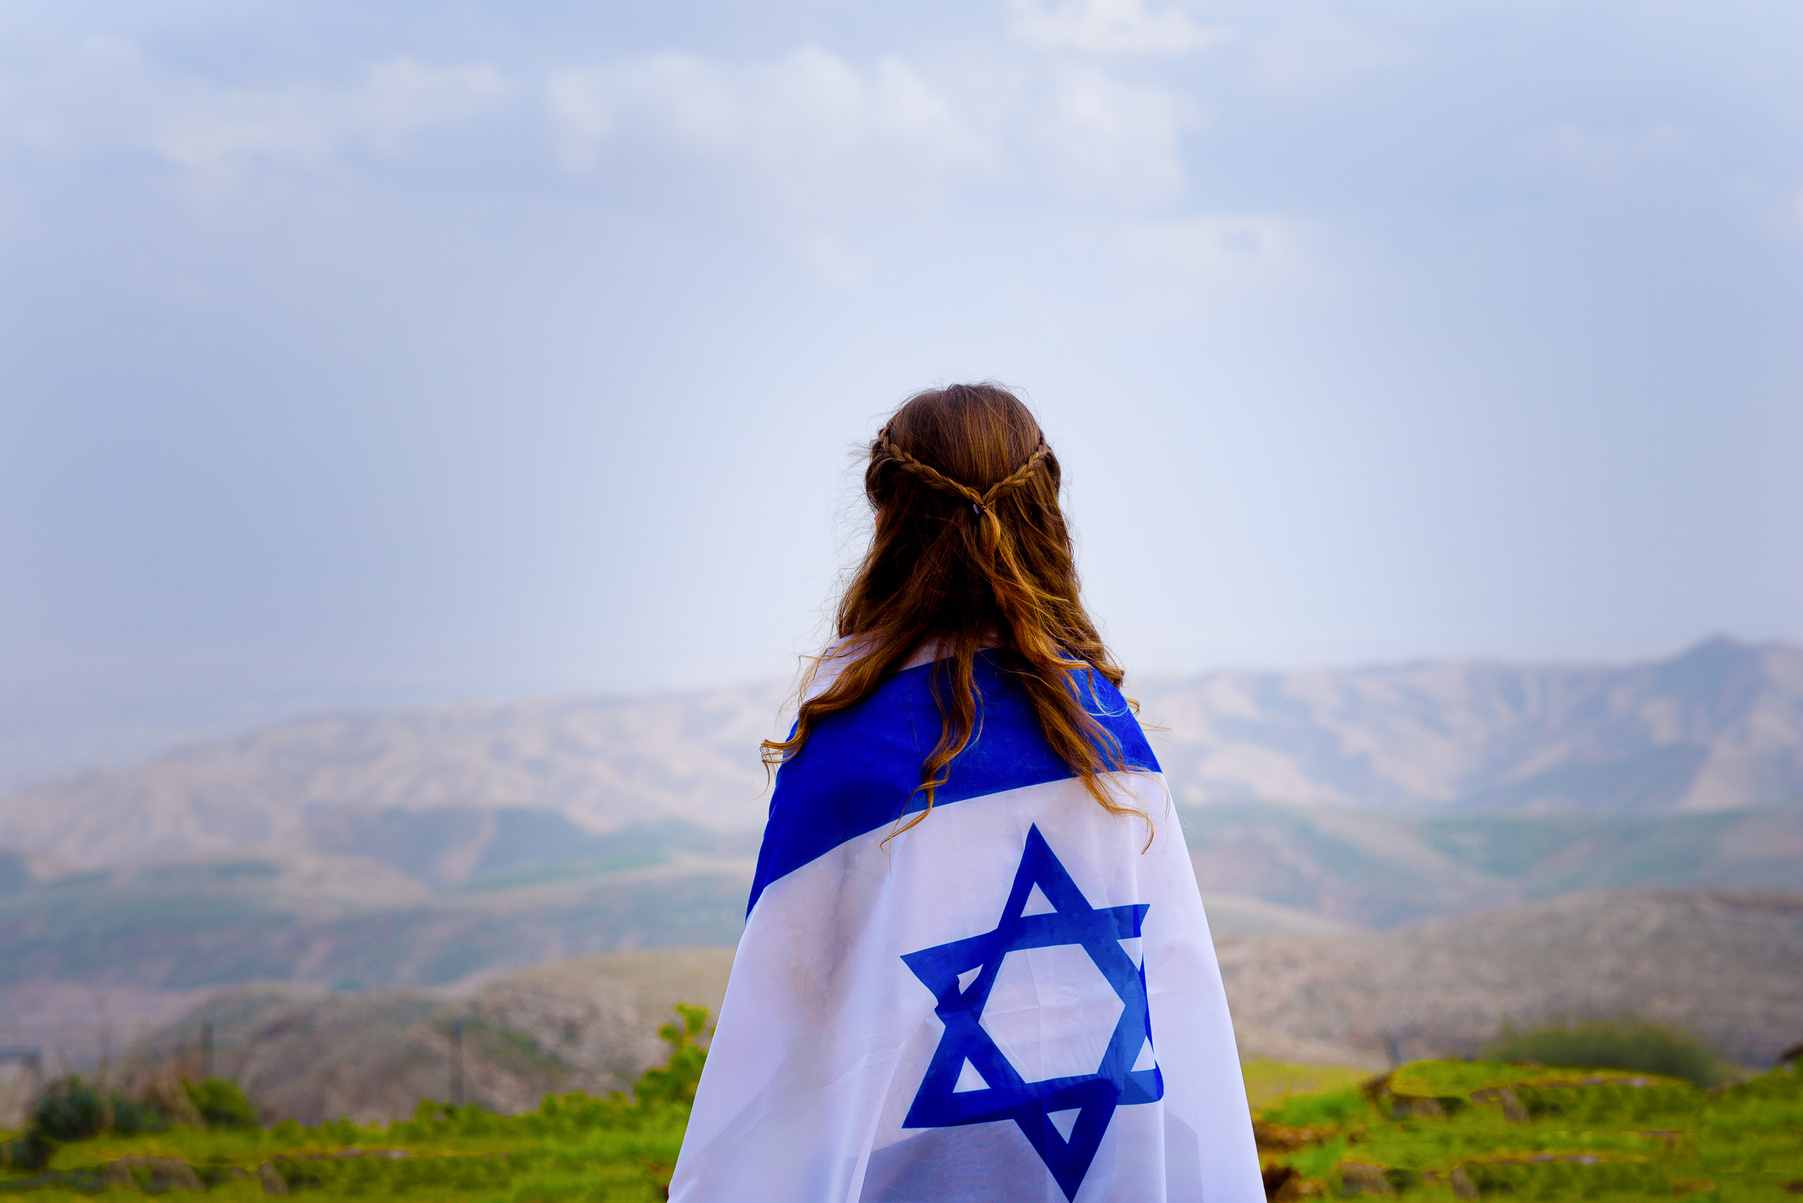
column 127, row 739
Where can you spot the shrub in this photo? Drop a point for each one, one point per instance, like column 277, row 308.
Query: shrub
column 71, row 1110
column 1614, row 1044
column 28, row 1152
column 221, row 1103
column 676, row 1081
column 128, row 1117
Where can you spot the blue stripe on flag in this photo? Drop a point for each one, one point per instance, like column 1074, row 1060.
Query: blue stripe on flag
column 859, row 769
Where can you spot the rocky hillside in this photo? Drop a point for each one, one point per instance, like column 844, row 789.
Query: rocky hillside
column 603, row 763
column 436, row 895
column 414, row 849
column 585, row 1023
column 344, row 923
column 89, row 959
column 1725, row 965
column 1719, row 727
column 1377, row 869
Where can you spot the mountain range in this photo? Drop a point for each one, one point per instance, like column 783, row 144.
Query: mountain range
column 1721, row 964
column 1719, row 727
column 414, row 849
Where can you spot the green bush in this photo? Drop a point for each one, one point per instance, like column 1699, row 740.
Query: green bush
column 676, row 1081
column 28, row 1152
column 220, row 1103
column 73, row 1109
column 1628, row 1044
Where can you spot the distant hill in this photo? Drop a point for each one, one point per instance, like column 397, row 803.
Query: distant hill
column 1726, row 965
column 89, row 957
column 439, row 895
column 1719, row 727
column 349, row 923
column 582, row 1023
column 1377, row 869
column 85, row 958
column 415, row 848
column 604, row 763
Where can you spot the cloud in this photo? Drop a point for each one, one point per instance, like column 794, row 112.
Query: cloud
column 813, row 132
column 1108, row 27
column 810, row 125
column 834, row 153
column 817, row 146
column 211, row 130
column 829, row 153
column 105, row 95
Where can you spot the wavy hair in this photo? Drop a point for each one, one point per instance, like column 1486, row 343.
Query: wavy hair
column 971, row 552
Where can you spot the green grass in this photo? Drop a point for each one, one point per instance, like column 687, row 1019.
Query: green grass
column 1327, row 1108
column 1445, row 1129
column 1430, row 1131
column 1269, row 1081
column 574, row 1147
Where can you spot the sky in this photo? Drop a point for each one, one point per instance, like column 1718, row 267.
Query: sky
column 363, row 354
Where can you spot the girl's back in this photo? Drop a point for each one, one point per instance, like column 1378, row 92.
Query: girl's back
column 975, row 964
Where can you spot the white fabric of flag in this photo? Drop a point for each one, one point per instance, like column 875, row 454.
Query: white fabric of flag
column 1013, row 1001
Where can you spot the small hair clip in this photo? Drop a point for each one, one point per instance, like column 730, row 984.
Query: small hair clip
column 977, row 508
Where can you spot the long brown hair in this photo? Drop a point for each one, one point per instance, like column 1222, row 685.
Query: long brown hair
column 971, row 551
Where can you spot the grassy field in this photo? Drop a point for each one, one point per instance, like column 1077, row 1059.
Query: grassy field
column 1430, row 1130
column 1468, row 1130
column 1268, row 1082
column 573, row 1147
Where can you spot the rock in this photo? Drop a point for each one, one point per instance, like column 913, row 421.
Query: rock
column 1511, row 1104
column 159, row 1173
column 1358, row 1179
column 272, row 1180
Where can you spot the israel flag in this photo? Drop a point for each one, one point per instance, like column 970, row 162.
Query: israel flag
column 1010, row 1001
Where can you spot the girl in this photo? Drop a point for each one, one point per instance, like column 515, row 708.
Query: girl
column 975, row 964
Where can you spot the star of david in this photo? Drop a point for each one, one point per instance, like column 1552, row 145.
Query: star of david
column 1005, row 1095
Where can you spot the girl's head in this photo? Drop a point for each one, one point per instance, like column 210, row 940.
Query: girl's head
column 970, row 551
column 969, row 537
